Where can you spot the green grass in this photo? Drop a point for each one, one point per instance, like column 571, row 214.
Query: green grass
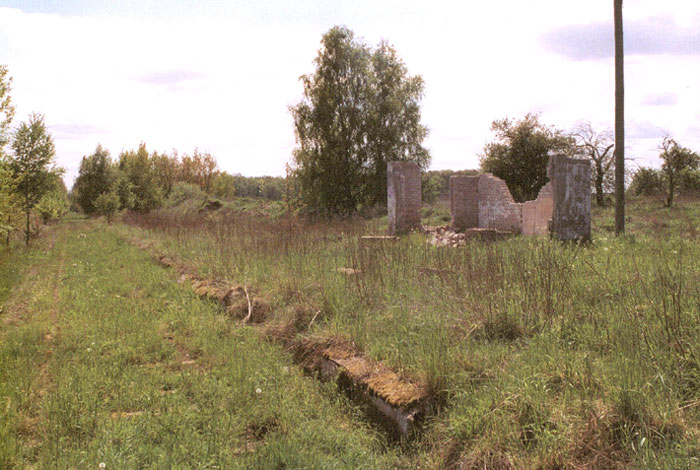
column 106, row 358
column 544, row 355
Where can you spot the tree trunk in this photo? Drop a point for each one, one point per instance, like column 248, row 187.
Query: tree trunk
column 619, row 122
column 671, row 190
column 26, row 238
column 599, row 200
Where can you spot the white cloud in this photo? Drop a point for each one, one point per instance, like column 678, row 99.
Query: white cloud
column 221, row 78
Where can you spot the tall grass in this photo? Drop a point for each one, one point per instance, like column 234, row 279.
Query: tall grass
column 549, row 341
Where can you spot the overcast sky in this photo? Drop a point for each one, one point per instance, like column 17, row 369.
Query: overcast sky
column 220, row 75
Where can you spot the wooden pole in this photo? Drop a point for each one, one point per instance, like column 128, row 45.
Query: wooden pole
column 619, row 123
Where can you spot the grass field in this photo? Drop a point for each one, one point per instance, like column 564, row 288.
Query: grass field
column 539, row 355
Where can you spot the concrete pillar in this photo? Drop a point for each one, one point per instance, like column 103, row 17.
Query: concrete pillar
column 571, row 193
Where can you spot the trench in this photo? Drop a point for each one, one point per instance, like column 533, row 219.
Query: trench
column 395, row 404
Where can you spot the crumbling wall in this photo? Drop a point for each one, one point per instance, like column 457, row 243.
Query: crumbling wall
column 464, row 201
column 497, row 209
column 403, row 196
column 538, row 213
column 571, row 193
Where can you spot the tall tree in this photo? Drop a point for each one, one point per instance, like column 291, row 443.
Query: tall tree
column 520, row 154
column 96, row 176
column 619, row 121
column 394, row 129
column 199, row 168
column 677, row 161
column 7, row 110
column 138, row 169
column 598, row 148
column 360, row 109
column 9, row 209
column 33, row 150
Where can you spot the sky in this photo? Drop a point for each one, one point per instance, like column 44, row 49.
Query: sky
column 220, row 75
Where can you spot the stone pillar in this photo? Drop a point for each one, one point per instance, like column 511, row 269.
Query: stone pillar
column 403, row 196
column 464, row 202
column 571, row 194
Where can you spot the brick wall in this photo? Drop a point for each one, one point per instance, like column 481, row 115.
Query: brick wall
column 464, row 201
column 538, row 213
column 497, row 209
column 403, row 196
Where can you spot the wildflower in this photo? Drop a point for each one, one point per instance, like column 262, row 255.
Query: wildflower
column 102, row 465
column 258, row 391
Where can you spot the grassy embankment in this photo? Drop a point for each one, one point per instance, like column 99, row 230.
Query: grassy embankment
column 543, row 355
column 106, row 358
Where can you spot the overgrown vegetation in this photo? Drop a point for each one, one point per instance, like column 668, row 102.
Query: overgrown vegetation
column 107, row 362
column 543, row 355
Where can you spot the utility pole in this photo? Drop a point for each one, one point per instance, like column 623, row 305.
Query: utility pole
column 619, row 122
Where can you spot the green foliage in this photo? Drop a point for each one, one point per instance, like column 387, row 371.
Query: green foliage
column 139, row 171
column 360, row 110
column 199, row 168
column 54, row 204
column 677, row 162
column 183, row 191
column 97, row 175
column 33, row 152
column 125, row 191
column 107, row 204
column 266, row 187
column 9, row 203
column 7, row 110
column 167, row 169
column 223, row 186
column 690, row 184
column 433, row 186
column 10, row 211
column 647, row 181
column 520, row 154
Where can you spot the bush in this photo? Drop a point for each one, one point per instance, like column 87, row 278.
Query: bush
column 223, row 186
column 107, row 205
column 52, row 206
column 182, row 192
column 690, row 184
column 647, row 182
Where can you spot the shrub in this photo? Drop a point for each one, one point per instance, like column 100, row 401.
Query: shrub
column 107, row 205
column 182, row 192
column 647, row 182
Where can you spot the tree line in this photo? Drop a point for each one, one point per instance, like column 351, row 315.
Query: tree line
column 360, row 109
column 142, row 181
